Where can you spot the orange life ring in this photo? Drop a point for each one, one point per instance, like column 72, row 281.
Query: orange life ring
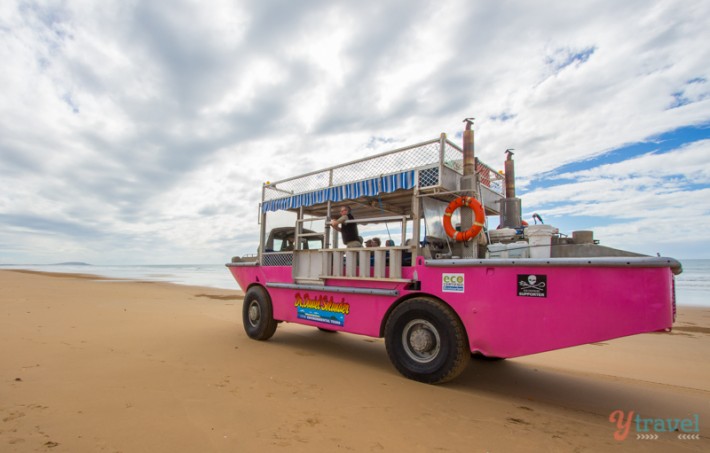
column 463, row 236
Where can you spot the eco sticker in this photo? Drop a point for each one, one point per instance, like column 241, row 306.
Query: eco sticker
column 452, row 283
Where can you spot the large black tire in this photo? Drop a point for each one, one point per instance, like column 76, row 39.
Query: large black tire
column 426, row 342
column 257, row 314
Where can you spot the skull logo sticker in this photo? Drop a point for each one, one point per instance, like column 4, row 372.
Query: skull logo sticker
column 532, row 285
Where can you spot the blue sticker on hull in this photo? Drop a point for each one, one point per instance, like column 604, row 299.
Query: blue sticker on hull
column 335, row 319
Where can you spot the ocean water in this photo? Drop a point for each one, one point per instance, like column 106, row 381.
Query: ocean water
column 209, row 275
column 692, row 286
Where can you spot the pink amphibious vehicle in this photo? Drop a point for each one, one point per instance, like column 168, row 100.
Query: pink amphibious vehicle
column 443, row 286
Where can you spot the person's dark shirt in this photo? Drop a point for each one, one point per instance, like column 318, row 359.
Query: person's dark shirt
column 349, row 230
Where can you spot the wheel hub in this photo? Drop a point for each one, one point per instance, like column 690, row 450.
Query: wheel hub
column 254, row 313
column 421, row 340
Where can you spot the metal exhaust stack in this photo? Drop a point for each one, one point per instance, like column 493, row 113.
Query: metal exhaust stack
column 469, row 160
column 510, row 207
column 468, row 186
column 509, row 174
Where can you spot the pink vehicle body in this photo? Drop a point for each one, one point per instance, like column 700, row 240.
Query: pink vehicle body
column 586, row 302
column 501, row 295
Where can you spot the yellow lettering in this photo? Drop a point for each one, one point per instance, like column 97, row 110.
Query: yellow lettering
column 321, row 303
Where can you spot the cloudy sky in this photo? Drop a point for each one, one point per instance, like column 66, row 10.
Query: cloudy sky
column 141, row 131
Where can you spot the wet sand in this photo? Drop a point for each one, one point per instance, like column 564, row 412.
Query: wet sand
column 88, row 365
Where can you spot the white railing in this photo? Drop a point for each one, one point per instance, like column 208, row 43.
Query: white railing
column 376, row 263
column 437, row 152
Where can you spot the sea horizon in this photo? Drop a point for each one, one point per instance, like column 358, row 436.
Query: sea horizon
column 207, row 275
column 692, row 286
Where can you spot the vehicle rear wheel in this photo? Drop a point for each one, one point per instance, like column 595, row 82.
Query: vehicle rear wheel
column 426, row 342
column 257, row 314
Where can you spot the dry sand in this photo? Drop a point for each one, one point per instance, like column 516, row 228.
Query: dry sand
column 90, row 365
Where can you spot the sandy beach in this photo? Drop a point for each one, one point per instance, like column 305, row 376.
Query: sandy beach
column 91, row 365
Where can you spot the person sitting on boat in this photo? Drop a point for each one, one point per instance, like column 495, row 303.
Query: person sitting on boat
column 288, row 244
column 347, row 229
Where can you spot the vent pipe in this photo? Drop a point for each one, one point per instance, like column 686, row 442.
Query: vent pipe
column 468, row 187
column 510, row 206
column 509, row 174
column 469, row 160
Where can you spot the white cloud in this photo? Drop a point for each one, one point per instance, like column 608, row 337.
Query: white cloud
column 133, row 132
column 690, row 162
column 652, row 200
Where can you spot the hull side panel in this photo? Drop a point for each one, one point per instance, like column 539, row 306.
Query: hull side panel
column 504, row 311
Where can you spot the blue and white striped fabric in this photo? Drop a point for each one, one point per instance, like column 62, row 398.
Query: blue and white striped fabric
column 366, row 188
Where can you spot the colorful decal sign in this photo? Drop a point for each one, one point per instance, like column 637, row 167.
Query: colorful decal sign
column 322, row 309
column 452, row 283
column 532, row 285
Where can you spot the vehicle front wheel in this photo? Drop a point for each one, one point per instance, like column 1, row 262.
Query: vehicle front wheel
column 257, row 314
column 426, row 342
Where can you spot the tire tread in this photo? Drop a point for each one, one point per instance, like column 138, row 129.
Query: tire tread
column 462, row 353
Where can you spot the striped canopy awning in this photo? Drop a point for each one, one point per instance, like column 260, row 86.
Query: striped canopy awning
column 368, row 187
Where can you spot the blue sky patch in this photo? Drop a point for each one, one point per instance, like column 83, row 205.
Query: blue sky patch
column 566, row 57
column 659, row 144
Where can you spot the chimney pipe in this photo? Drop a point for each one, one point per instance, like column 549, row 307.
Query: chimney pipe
column 509, row 174
column 468, row 186
column 469, row 161
column 510, row 206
